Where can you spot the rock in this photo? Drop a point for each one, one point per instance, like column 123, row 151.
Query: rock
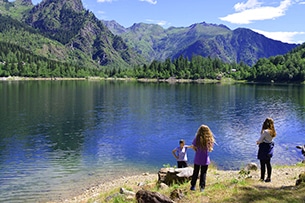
column 163, row 186
column 177, row 194
column 251, row 167
column 301, row 179
column 170, row 176
column 141, row 184
column 245, row 172
column 145, row 196
column 127, row 192
column 109, row 198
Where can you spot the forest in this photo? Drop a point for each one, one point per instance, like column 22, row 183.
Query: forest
column 17, row 61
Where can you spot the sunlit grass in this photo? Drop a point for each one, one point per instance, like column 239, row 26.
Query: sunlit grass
column 224, row 189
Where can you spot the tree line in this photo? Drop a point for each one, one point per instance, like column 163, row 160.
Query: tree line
column 17, row 61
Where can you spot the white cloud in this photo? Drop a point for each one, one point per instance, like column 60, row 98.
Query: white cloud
column 253, row 10
column 300, row 2
column 150, row 1
column 281, row 36
column 162, row 23
column 101, row 12
column 103, row 1
column 247, row 5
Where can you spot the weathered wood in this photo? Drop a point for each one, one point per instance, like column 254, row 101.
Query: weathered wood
column 171, row 176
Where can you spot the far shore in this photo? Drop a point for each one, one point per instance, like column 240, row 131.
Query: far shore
column 169, row 80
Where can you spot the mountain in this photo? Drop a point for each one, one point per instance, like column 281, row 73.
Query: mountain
column 63, row 30
column 71, row 31
column 67, row 22
column 15, row 32
column 204, row 39
column 15, row 9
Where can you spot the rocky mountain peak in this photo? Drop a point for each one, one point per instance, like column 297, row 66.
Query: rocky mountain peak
column 75, row 5
column 18, row 2
column 25, row 2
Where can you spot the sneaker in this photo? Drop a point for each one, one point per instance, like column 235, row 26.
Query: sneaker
column 261, row 180
column 268, row 180
column 202, row 189
column 193, row 188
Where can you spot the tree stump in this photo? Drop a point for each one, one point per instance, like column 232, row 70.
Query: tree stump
column 171, row 176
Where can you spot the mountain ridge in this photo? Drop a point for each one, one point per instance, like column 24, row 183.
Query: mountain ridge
column 88, row 40
column 205, row 39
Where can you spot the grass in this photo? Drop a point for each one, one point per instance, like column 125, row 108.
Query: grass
column 227, row 187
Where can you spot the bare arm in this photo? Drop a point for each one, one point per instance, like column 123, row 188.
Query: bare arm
column 193, row 147
column 174, row 153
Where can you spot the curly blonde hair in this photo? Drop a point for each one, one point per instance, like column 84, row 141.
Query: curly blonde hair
column 205, row 138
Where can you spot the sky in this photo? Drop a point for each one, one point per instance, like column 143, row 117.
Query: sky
column 281, row 20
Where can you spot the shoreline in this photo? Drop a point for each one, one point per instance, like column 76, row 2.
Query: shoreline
column 282, row 176
column 170, row 80
column 144, row 80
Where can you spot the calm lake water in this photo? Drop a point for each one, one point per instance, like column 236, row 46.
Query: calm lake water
column 58, row 138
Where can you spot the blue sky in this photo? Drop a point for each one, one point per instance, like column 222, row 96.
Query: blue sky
column 277, row 19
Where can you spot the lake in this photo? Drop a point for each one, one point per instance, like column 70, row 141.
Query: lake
column 60, row 137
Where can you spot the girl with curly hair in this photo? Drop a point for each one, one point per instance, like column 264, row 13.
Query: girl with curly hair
column 203, row 143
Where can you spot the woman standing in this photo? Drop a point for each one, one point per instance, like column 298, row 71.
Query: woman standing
column 265, row 150
column 203, row 144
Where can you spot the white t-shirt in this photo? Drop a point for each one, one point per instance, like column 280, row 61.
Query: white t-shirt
column 265, row 137
column 181, row 153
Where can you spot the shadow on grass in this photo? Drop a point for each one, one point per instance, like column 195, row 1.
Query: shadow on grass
column 257, row 194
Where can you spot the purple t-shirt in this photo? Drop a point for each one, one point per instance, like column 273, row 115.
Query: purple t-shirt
column 201, row 156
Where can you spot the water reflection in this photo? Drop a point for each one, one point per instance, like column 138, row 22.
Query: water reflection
column 58, row 134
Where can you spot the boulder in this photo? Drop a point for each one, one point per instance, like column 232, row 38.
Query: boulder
column 301, row 179
column 245, row 172
column 251, row 167
column 127, row 192
column 145, row 196
column 177, row 194
column 171, row 176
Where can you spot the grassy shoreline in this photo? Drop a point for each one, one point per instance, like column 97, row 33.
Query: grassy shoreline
column 222, row 186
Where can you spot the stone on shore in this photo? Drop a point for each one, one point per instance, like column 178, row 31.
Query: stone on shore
column 145, row 196
column 301, row 179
